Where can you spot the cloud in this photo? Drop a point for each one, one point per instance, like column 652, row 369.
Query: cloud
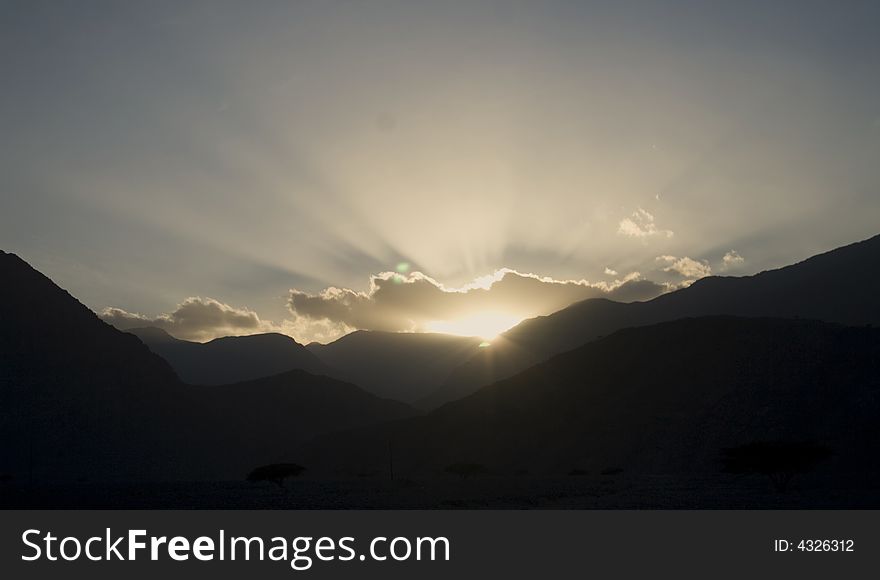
column 732, row 259
column 410, row 303
column 396, row 302
column 194, row 319
column 610, row 271
column 686, row 267
column 641, row 225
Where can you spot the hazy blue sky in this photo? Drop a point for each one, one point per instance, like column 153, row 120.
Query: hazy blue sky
column 151, row 152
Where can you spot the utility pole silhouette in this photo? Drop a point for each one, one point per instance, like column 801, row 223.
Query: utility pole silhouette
column 31, row 462
column 33, row 427
column 390, row 459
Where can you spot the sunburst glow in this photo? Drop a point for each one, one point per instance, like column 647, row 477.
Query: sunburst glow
column 485, row 325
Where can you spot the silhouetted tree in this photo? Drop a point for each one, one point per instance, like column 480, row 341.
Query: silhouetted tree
column 276, row 473
column 465, row 470
column 778, row 460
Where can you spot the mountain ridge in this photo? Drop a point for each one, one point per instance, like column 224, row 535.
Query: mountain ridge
column 834, row 286
column 83, row 401
column 658, row 399
column 230, row 359
column 397, row 365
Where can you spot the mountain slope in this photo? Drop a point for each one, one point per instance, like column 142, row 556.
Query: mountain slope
column 261, row 421
column 837, row 286
column 230, row 359
column 402, row 366
column 82, row 400
column 660, row 399
column 74, row 392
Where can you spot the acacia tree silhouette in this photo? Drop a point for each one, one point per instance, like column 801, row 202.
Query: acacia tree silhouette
column 277, row 473
column 465, row 470
column 778, row 460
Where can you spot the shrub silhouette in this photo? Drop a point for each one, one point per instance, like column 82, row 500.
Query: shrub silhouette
column 465, row 470
column 276, row 473
column 778, row 460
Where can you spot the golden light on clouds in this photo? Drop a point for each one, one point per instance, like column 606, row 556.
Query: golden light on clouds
column 394, row 302
column 310, row 148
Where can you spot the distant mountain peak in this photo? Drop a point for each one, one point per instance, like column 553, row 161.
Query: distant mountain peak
column 230, row 359
column 266, row 337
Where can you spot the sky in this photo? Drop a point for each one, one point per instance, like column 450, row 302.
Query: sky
column 315, row 167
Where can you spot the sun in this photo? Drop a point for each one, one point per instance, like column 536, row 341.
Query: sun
column 485, row 325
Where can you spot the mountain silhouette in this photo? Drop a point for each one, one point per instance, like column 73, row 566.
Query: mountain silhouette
column 632, row 391
column 659, row 399
column 836, row 286
column 396, row 365
column 80, row 400
column 230, row 359
column 261, row 421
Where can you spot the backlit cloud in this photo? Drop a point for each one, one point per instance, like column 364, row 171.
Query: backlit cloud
column 686, row 267
column 303, row 145
column 416, row 302
column 641, row 225
column 394, row 302
column 195, row 318
column 732, row 259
